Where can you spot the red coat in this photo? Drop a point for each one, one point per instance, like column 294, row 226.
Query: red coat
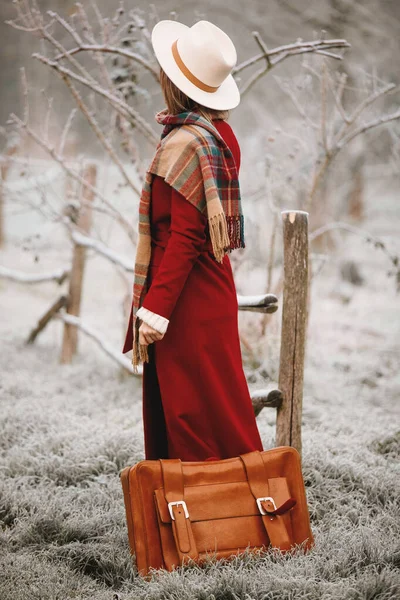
column 196, row 402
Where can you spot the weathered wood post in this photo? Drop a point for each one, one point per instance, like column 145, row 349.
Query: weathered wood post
column 294, row 317
column 5, row 163
column 70, row 339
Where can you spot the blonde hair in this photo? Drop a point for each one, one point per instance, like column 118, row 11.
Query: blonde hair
column 177, row 101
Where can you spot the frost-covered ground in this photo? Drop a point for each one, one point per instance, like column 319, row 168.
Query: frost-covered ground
column 66, row 432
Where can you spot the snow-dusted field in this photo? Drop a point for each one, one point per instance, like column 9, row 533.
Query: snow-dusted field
column 66, row 432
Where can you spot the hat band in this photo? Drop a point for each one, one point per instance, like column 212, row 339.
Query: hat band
column 189, row 74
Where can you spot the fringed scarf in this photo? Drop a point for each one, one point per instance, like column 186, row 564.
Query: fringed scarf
column 194, row 159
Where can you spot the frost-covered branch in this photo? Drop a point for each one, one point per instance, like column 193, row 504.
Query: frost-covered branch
column 120, row 106
column 281, row 52
column 103, row 250
column 277, row 55
column 112, row 352
column 33, row 20
column 350, row 120
column 111, row 50
column 59, row 275
column 366, row 126
column 99, row 133
column 101, row 48
column 348, row 129
column 74, row 175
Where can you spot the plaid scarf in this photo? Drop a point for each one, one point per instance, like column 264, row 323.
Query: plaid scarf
column 194, row 159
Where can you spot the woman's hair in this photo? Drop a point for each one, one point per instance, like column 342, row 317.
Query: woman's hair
column 178, row 102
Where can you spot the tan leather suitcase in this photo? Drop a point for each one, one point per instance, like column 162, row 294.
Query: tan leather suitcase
column 181, row 510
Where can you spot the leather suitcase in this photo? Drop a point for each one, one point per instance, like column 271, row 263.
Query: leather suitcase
column 182, row 510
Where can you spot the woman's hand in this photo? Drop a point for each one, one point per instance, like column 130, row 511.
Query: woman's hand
column 148, row 335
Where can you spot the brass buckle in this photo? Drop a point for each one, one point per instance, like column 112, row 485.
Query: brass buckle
column 170, row 504
column 260, row 508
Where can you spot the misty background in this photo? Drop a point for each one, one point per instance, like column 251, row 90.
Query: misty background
column 68, row 428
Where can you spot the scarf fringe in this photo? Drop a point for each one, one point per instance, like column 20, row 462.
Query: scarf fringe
column 219, row 235
column 226, row 233
column 235, row 225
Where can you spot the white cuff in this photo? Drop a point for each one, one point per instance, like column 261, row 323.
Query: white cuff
column 153, row 319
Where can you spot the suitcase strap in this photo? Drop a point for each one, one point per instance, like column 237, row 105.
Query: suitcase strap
column 174, row 495
column 264, row 490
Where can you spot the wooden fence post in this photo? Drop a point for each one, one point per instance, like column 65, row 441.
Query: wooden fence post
column 4, row 168
column 70, row 339
column 294, row 318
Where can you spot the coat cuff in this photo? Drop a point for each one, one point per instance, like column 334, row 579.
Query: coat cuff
column 153, row 319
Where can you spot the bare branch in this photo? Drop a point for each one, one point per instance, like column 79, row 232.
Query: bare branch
column 391, row 87
column 102, row 249
column 128, row 144
column 253, row 79
column 104, row 345
column 329, row 54
column 122, row 107
column 286, row 89
column 100, row 135
column 76, row 64
column 323, row 108
column 111, row 50
column 30, row 25
column 66, row 26
column 93, row 47
column 20, row 276
column 337, row 95
column 98, row 14
column 130, row 147
column 26, row 17
column 98, row 57
column 290, row 49
column 263, row 47
column 76, row 176
column 366, row 126
column 42, row 30
column 318, row 174
column 361, row 107
column 65, row 132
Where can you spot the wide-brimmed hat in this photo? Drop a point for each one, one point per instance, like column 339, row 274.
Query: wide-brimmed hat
column 199, row 61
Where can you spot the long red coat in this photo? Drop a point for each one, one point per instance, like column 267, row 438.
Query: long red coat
column 196, row 402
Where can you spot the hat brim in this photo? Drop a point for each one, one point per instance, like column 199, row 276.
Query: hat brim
column 163, row 35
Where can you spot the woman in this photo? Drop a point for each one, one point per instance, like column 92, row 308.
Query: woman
column 196, row 402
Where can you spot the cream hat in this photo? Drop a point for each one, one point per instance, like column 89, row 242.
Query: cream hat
column 198, row 60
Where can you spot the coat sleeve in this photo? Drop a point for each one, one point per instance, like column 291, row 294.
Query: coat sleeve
column 186, row 241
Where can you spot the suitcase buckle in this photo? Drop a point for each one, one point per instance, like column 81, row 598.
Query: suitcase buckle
column 260, row 508
column 170, row 504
